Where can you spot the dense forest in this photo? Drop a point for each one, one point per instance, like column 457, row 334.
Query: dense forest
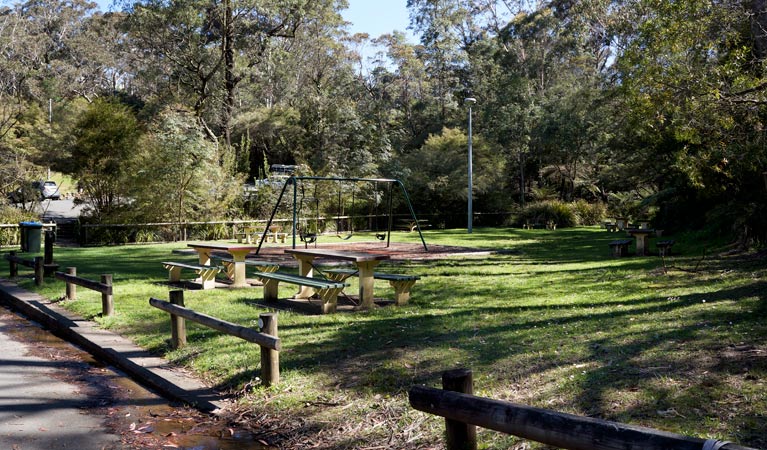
column 162, row 109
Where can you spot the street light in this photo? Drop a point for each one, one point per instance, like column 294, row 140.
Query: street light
column 470, row 101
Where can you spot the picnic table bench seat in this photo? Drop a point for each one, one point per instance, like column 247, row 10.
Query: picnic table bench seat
column 261, row 266
column 207, row 274
column 400, row 283
column 620, row 247
column 328, row 290
column 664, row 247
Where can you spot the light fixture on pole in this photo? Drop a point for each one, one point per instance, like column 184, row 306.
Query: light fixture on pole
column 470, row 101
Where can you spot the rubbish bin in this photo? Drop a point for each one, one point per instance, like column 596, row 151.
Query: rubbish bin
column 30, row 236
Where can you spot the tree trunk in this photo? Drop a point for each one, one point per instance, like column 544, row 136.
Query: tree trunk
column 230, row 81
column 759, row 27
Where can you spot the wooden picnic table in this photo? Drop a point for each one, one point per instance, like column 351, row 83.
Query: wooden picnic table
column 238, row 253
column 365, row 263
column 642, row 235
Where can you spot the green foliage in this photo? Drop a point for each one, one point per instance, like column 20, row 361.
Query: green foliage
column 438, row 177
column 589, row 213
column 178, row 176
column 103, row 150
column 559, row 212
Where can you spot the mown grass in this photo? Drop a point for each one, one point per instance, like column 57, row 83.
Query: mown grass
column 549, row 320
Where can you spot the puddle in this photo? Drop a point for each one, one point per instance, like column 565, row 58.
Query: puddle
column 141, row 418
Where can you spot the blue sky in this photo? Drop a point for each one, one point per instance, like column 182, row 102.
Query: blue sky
column 375, row 17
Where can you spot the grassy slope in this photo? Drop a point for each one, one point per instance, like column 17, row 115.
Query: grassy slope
column 552, row 321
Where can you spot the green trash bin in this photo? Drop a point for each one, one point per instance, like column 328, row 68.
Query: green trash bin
column 31, row 233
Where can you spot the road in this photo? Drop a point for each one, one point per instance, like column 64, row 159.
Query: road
column 39, row 408
column 54, row 210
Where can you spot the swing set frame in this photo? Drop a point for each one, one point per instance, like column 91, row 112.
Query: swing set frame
column 294, row 180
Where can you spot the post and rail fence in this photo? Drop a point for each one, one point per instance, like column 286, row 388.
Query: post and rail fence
column 35, row 263
column 104, row 287
column 463, row 412
column 267, row 338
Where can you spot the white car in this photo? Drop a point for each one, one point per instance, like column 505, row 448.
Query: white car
column 49, row 189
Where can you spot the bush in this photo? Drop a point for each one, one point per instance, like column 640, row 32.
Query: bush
column 589, row 213
column 563, row 214
column 557, row 211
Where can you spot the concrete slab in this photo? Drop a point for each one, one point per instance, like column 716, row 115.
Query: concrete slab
column 151, row 371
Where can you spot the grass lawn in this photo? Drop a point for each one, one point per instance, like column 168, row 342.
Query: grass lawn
column 551, row 320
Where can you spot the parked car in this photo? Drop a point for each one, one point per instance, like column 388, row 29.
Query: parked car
column 49, row 189
column 34, row 191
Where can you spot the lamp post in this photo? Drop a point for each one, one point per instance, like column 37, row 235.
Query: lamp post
column 470, row 101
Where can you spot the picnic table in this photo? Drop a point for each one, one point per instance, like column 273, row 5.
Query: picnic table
column 238, row 253
column 365, row 263
column 642, row 235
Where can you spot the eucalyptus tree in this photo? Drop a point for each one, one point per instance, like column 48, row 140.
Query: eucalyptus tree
column 210, row 47
column 694, row 86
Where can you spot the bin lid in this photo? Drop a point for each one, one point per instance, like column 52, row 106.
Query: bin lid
column 31, row 224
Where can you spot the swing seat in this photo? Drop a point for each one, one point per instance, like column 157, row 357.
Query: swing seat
column 381, row 236
column 309, row 238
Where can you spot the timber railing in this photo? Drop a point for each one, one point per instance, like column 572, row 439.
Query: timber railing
column 35, row 263
column 11, row 236
column 105, row 287
column 463, row 412
column 266, row 338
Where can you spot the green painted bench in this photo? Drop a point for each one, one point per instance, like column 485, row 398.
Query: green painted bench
column 664, row 247
column 328, row 290
column 400, row 283
column 261, row 266
column 206, row 274
column 620, row 247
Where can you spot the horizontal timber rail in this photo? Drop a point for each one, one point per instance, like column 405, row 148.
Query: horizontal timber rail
column 35, row 263
column 267, row 339
column 104, row 287
column 463, row 412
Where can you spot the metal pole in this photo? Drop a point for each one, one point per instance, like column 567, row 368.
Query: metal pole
column 470, row 101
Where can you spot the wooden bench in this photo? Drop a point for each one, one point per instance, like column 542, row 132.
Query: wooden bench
column 610, row 227
column 620, row 247
column 328, row 290
column 664, row 247
column 261, row 266
column 248, row 236
column 206, row 274
column 400, row 283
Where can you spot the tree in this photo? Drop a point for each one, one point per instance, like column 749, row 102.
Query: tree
column 177, row 175
column 104, row 145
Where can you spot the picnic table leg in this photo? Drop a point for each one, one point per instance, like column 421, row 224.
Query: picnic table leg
column 366, row 283
column 204, row 260
column 239, row 275
column 641, row 244
column 305, row 269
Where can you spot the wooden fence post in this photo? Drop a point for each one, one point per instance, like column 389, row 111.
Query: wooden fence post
column 14, row 266
column 48, row 253
column 38, row 270
column 460, row 435
column 177, row 323
column 107, row 300
column 71, row 287
column 270, row 359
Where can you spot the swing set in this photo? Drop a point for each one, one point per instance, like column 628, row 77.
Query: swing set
column 308, row 235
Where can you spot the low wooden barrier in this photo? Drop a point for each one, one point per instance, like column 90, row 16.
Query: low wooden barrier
column 463, row 412
column 105, row 287
column 35, row 263
column 267, row 338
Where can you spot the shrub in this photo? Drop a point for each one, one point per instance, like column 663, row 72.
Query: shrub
column 552, row 210
column 589, row 213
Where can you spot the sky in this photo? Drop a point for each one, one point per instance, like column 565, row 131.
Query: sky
column 375, row 17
